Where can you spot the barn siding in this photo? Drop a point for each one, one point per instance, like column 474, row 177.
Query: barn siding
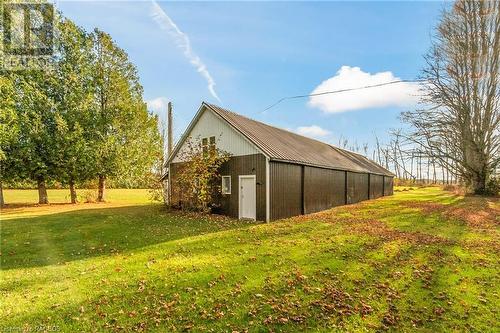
column 388, row 185
column 228, row 139
column 357, row 187
column 323, row 189
column 237, row 165
column 254, row 164
column 294, row 189
column 286, row 190
column 376, row 186
column 297, row 189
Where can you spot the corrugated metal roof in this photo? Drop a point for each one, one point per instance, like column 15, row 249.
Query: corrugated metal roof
column 282, row 145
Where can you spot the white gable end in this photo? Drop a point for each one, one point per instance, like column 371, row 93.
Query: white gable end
column 227, row 138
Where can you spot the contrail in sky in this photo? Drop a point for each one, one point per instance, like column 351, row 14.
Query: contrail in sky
column 182, row 41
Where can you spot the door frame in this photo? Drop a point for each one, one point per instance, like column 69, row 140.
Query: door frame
column 239, row 193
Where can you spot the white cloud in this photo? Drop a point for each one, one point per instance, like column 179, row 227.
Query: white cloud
column 399, row 94
column 182, row 41
column 158, row 105
column 312, row 131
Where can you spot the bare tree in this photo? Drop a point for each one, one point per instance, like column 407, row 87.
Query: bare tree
column 463, row 93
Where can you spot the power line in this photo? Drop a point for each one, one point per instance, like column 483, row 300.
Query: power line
column 339, row 91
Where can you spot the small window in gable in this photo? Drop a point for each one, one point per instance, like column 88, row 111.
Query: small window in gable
column 226, row 184
column 204, row 145
column 208, row 144
column 212, row 143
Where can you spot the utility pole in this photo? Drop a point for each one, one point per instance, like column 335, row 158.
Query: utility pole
column 169, row 151
column 169, row 131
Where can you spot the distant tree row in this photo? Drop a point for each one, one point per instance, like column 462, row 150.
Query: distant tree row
column 455, row 133
column 84, row 119
column 405, row 159
column 458, row 124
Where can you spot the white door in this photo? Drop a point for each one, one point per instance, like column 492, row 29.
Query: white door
column 247, row 197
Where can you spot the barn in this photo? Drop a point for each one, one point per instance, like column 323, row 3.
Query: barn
column 273, row 173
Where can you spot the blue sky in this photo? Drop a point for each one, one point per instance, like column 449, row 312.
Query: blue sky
column 252, row 54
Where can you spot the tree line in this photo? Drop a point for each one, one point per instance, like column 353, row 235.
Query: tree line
column 403, row 158
column 82, row 119
column 458, row 124
column 455, row 132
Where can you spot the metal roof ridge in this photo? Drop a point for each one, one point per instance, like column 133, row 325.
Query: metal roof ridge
column 278, row 128
column 364, row 165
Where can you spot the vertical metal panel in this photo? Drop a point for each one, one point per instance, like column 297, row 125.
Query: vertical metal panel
column 244, row 165
column 226, row 137
column 302, row 190
column 237, row 165
column 286, row 190
column 323, row 189
column 268, row 192
column 357, row 187
column 346, row 195
column 388, row 185
column 294, row 189
column 376, row 186
column 369, row 181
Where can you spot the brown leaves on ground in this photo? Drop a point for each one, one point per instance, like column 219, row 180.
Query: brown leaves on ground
column 376, row 228
column 329, row 302
column 379, row 229
column 336, row 301
column 483, row 213
column 477, row 212
column 198, row 215
column 426, row 207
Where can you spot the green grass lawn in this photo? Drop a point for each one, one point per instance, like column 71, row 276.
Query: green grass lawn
column 30, row 197
column 422, row 260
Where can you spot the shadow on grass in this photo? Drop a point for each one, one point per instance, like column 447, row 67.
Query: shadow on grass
column 67, row 236
column 203, row 276
column 170, row 296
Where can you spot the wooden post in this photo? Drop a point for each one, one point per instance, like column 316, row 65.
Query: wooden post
column 170, row 145
column 169, row 131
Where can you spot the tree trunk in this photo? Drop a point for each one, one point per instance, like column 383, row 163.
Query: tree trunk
column 72, row 191
column 42, row 192
column 479, row 183
column 477, row 165
column 428, row 180
column 102, row 186
column 2, row 202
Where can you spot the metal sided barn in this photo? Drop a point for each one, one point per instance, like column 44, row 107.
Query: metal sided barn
column 273, row 173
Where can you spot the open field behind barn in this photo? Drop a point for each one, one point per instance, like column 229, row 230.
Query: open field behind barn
column 422, row 259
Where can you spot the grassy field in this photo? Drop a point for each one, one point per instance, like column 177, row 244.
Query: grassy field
column 422, row 260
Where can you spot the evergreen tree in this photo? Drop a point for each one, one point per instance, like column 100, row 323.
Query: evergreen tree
column 32, row 155
column 83, row 119
column 124, row 128
column 73, row 95
column 8, row 128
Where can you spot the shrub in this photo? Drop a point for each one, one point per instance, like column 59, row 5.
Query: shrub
column 196, row 186
column 89, row 196
column 156, row 192
column 455, row 188
column 403, row 182
column 492, row 186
